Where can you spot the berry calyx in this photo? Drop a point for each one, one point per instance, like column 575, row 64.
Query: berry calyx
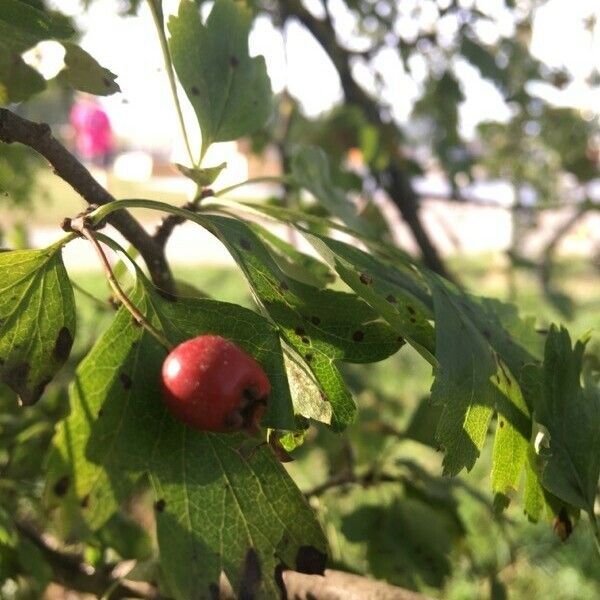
column 211, row 384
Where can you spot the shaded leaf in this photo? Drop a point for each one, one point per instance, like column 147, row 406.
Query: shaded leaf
column 37, row 319
column 310, row 169
column 23, row 26
column 213, row 503
column 18, row 81
column 569, row 443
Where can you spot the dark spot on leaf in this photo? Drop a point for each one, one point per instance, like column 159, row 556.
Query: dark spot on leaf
column 315, row 320
column 39, row 389
column 391, row 299
column 366, row 279
column 125, row 380
column 305, row 340
column 234, row 61
column 106, row 82
column 16, row 377
column 194, row 90
column 245, row 244
column 410, row 309
column 214, row 592
column 159, row 505
column 308, row 357
column 310, row 560
column 412, row 320
column 400, row 339
column 358, row 336
column 278, row 577
column 251, row 576
column 85, row 501
column 299, row 331
column 501, row 423
column 283, row 285
column 61, row 487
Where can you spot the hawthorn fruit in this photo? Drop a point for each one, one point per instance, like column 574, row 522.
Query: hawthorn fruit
column 211, row 384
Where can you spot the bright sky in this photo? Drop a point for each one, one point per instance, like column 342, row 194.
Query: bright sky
column 143, row 112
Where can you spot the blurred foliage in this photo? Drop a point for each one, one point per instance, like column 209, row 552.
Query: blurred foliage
column 18, row 168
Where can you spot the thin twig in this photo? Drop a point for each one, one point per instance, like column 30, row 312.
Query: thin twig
column 119, row 293
column 69, row 570
column 164, row 46
column 100, row 303
column 165, row 229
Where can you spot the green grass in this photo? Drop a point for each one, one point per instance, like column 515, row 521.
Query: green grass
column 55, row 199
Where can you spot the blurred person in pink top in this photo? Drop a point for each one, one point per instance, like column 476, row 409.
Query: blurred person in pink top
column 93, row 133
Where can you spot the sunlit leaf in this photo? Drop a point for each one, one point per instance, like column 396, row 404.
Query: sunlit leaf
column 37, row 319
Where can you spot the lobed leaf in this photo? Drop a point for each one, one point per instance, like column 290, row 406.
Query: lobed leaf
column 229, row 91
column 569, row 416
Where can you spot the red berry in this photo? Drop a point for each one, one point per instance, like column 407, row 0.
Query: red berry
column 211, row 384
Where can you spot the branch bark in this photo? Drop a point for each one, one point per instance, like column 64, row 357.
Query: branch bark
column 393, row 179
column 38, row 136
column 71, row 572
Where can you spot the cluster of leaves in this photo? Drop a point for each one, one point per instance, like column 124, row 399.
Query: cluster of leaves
column 22, row 26
column 222, row 509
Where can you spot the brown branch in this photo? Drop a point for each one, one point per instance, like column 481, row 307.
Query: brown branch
column 38, row 136
column 337, row 585
column 70, row 571
column 165, row 229
column 371, row 477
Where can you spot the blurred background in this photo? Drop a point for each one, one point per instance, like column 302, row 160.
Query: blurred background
column 467, row 132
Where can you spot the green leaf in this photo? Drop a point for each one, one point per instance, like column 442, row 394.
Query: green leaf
column 470, row 383
column 202, row 177
column 37, row 319
column 510, row 445
column 394, row 291
column 83, row 72
column 570, row 418
column 23, row 26
column 230, row 92
column 217, row 509
column 322, row 326
column 296, row 264
column 18, row 81
column 403, row 540
column 310, row 169
column 423, row 423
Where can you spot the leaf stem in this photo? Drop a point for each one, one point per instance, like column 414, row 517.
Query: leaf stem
column 283, row 180
column 119, row 293
column 100, row 303
column 164, row 46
